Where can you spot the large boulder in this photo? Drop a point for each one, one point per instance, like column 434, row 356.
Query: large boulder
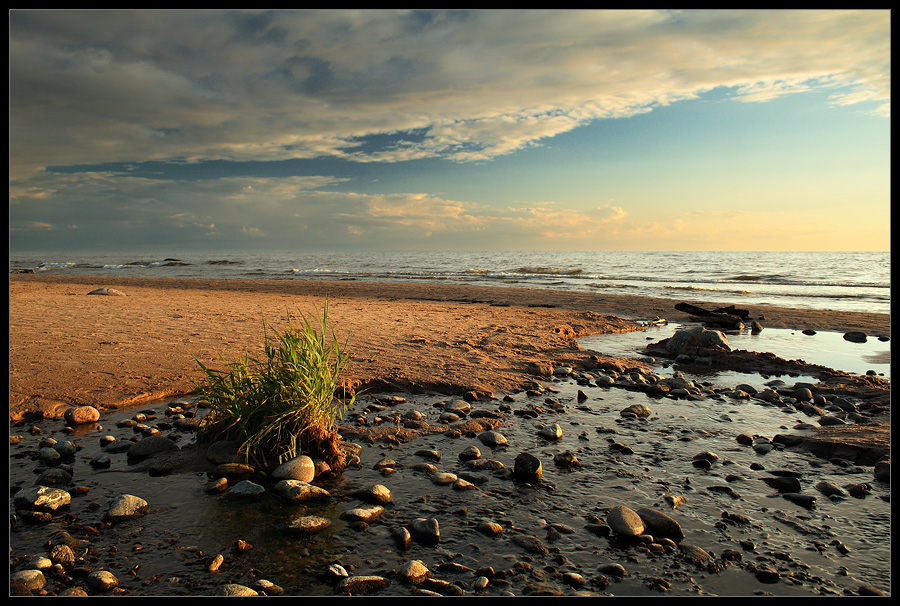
column 693, row 341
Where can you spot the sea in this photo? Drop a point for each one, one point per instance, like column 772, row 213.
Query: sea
column 842, row 281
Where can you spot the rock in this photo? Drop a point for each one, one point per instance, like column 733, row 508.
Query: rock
column 414, row 572
column 625, row 522
column 470, row 454
column 245, row 490
column 300, row 468
column 539, row 369
column 376, row 495
column 783, row 484
column 527, row 468
column 425, row 529
column 855, row 336
column 431, row 455
column 307, row 525
column 690, row 341
column 112, row 292
column 80, row 415
column 694, row 554
column 551, row 432
column 566, row 459
column 659, row 523
column 612, row 569
column 234, row 590
column 531, row 544
column 126, row 507
column 493, row 439
column 830, row 490
column 401, row 536
column 26, row 581
column 767, row 574
column 102, row 580
column 443, row 478
column 636, row 410
column 363, row 514
column 151, row 445
column 489, row 528
column 234, row 472
column 223, row 451
column 297, row 491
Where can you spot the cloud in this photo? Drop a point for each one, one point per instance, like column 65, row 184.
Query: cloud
column 189, row 85
column 291, row 211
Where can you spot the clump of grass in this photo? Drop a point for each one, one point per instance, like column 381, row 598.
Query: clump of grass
column 284, row 404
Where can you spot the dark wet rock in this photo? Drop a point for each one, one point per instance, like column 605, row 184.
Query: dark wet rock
column 376, row 495
column 621, row 448
column 695, row 554
column 856, row 336
column 859, row 490
column 783, row 484
column 425, row 529
column 531, row 544
column 767, row 574
column 527, row 468
column 612, row 569
column 234, row 472
column 551, row 432
column 489, row 528
column 659, row 523
column 566, row 459
column 55, row 476
column 151, row 445
column 803, row 500
column 830, row 490
column 829, row 420
column 401, row 536
column 470, row 454
column 431, row 455
column 493, row 439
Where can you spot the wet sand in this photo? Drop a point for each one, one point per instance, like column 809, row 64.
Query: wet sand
column 69, row 349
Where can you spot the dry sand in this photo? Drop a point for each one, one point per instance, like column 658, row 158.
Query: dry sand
column 68, row 348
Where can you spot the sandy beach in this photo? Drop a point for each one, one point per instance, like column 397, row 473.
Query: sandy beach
column 68, row 348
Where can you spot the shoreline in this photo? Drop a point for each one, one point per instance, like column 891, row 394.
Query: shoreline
column 69, row 349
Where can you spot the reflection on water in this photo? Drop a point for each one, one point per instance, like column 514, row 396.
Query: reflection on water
column 827, row 349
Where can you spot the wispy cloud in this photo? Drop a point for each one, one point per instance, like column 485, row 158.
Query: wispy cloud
column 102, row 86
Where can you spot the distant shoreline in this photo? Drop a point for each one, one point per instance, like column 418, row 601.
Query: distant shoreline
column 67, row 348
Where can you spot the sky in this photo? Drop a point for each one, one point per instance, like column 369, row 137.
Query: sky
column 442, row 130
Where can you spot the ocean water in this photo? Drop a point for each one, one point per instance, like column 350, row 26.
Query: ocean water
column 844, row 281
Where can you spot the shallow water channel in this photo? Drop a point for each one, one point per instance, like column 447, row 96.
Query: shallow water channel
column 833, row 548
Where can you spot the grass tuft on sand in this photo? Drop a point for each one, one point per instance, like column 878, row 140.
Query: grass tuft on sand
column 284, row 404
